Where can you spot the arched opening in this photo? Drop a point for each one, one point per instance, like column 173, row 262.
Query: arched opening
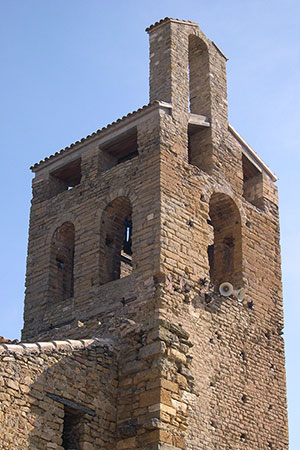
column 199, row 137
column 199, row 89
column 116, row 240
column 62, row 262
column 225, row 249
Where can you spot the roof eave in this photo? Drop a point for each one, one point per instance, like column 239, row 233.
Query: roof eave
column 252, row 153
column 125, row 120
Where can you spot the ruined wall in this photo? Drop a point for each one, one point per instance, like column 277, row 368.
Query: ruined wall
column 86, row 391
column 54, row 392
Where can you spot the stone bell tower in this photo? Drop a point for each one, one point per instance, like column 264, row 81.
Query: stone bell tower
column 134, row 228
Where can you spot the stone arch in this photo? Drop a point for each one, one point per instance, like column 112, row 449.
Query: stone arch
column 199, row 83
column 225, row 248
column 63, row 218
column 61, row 281
column 116, row 240
column 112, row 195
column 200, row 150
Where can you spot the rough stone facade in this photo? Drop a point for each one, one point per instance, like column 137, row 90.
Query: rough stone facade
column 54, row 392
column 132, row 231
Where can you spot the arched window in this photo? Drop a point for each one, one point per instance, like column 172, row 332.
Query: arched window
column 199, row 137
column 225, row 250
column 116, row 240
column 199, row 85
column 62, row 262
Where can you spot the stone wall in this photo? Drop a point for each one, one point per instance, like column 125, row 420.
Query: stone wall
column 136, row 180
column 195, row 369
column 238, row 352
column 154, row 385
column 95, row 396
column 56, row 391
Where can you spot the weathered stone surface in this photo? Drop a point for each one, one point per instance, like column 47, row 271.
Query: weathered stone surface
column 33, row 420
column 132, row 231
column 153, row 349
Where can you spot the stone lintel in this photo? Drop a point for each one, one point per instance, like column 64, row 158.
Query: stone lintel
column 197, row 119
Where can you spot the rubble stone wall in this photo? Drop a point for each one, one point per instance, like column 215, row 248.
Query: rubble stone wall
column 39, row 382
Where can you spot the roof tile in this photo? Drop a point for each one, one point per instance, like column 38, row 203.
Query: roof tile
column 95, row 133
column 167, row 19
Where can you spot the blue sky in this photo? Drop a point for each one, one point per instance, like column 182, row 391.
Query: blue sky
column 70, row 67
